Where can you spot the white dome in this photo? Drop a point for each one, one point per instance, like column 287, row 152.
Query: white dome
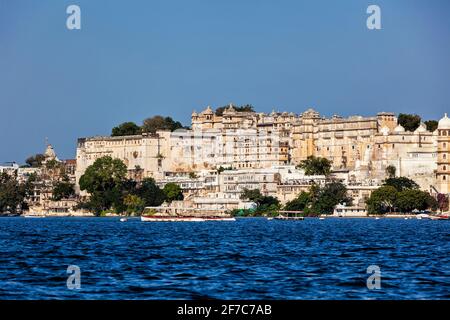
column 444, row 123
column 421, row 128
column 399, row 128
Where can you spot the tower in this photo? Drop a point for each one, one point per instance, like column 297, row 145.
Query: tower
column 443, row 156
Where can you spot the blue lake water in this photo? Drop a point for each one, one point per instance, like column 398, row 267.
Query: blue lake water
column 251, row 258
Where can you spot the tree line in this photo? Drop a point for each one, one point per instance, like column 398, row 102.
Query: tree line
column 412, row 121
column 397, row 194
column 400, row 194
column 111, row 190
column 13, row 194
column 149, row 125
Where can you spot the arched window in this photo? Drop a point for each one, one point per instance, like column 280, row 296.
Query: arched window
column 444, row 177
column 444, row 168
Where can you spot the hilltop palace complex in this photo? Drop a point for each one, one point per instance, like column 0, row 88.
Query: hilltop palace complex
column 259, row 150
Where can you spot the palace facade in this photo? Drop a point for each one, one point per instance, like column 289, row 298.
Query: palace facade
column 359, row 147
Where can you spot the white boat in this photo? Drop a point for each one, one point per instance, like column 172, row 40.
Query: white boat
column 280, row 217
column 33, row 216
column 321, row 218
column 123, row 219
column 156, row 218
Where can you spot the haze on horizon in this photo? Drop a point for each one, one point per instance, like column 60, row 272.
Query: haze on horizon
column 131, row 61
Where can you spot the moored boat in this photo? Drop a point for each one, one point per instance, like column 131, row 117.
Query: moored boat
column 440, row 217
column 156, row 218
column 280, row 217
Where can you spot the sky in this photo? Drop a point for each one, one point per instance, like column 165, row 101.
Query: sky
column 135, row 59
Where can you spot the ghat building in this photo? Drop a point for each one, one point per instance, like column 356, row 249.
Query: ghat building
column 360, row 147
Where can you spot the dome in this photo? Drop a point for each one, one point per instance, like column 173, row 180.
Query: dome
column 421, row 128
column 194, row 114
column 399, row 128
column 208, row 110
column 444, row 123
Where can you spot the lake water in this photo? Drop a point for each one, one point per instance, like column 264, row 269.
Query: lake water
column 251, row 258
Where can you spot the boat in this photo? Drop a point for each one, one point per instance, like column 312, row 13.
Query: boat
column 156, row 218
column 123, row 219
column 440, row 217
column 280, row 217
column 290, row 215
column 321, row 218
column 33, row 216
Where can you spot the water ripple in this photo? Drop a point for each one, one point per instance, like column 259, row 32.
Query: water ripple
column 247, row 259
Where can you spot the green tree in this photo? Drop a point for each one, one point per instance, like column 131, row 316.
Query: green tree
column 52, row 164
column 401, row 183
column 13, row 194
column 173, row 192
column 265, row 205
column 409, row 121
column 104, row 181
column 300, row 203
column 62, row 190
column 390, row 171
column 156, row 123
column 382, row 200
column 315, row 166
column 325, row 199
column 410, row 199
column 134, row 204
column 150, row 193
column 431, row 125
column 126, row 129
column 251, row 194
column 35, row 161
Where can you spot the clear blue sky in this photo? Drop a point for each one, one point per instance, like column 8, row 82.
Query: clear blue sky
column 136, row 59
